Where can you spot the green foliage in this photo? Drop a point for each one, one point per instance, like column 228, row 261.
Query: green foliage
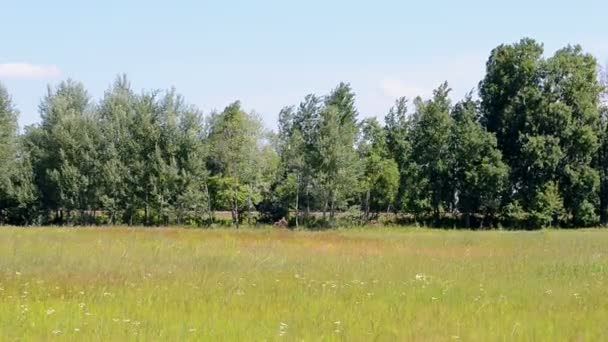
column 545, row 114
column 430, row 131
column 478, row 174
column 380, row 176
column 236, row 145
column 533, row 151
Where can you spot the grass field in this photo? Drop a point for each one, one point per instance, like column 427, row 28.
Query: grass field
column 356, row 285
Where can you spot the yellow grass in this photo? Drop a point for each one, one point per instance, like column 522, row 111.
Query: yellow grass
column 356, row 285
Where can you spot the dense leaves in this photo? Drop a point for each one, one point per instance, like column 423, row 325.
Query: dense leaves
column 530, row 151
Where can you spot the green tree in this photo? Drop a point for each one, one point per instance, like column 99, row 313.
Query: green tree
column 380, row 176
column 292, row 151
column 545, row 117
column 430, row 159
column 8, row 147
column 602, row 158
column 116, row 112
column 18, row 195
column 235, row 140
column 65, row 150
column 572, row 90
column 397, row 127
column 478, row 174
column 338, row 161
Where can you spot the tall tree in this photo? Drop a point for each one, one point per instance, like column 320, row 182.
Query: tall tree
column 430, row 157
column 546, row 120
column 397, row 127
column 338, row 166
column 116, row 114
column 572, row 91
column 235, row 138
column 380, row 176
column 8, row 141
column 8, row 152
column 477, row 172
column 602, row 158
column 292, row 151
column 65, row 151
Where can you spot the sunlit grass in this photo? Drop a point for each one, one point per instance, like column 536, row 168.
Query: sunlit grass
column 373, row 284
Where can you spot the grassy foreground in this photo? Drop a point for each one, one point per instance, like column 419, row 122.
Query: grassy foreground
column 362, row 285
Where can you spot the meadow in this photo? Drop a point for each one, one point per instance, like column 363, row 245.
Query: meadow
column 375, row 284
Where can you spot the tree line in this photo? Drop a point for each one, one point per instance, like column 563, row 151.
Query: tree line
column 529, row 149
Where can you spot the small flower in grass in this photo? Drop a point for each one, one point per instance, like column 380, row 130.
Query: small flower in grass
column 50, row 311
column 76, row 329
column 17, row 273
column 56, row 332
column 81, row 305
column 548, row 292
column 420, row 277
column 283, row 328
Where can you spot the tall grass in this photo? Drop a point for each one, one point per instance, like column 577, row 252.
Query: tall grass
column 361, row 285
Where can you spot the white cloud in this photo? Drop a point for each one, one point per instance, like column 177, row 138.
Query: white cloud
column 28, row 71
column 394, row 88
column 462, row 73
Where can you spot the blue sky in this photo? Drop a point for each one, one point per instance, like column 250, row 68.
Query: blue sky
column 269, row 53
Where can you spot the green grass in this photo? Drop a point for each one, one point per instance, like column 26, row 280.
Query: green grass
column 356, row 285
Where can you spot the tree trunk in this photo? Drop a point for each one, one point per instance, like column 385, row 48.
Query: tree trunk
column 604, row 201
column 367, row 198
column 235, row 213
column 146, row 220
column 297, row 200
column 324, row 208
column 307, row 214
column 209, row 203
column 332, row 208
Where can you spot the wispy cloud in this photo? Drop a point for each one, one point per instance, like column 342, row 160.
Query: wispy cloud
column 28, row 71
column 462, row 73
column 395, row 88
